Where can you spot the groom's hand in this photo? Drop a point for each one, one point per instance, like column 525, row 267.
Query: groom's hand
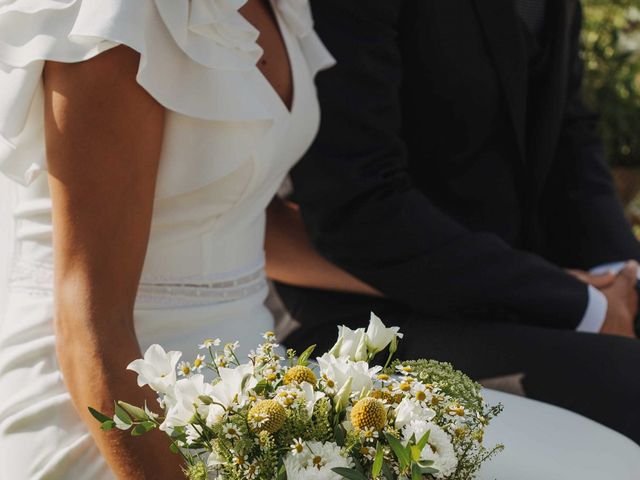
column 622, row 301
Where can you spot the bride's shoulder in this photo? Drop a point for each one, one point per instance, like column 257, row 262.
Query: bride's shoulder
column 197, row 57
column 210, row 32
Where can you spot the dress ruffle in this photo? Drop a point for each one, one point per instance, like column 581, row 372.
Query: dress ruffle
column 186, row 46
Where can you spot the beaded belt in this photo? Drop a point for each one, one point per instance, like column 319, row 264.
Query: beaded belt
column 37, row 279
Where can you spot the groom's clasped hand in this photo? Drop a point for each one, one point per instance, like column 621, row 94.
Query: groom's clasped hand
column 621, row 291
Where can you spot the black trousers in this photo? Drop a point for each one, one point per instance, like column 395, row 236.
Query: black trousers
column 597, row 376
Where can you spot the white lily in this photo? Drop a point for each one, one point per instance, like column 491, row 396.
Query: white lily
column 157, row 369
column 342, row 369
column 231, row 390
column 378, row 336
column 351, row 344
column 187, row 401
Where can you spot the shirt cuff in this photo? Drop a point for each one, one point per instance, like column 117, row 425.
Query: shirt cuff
column 596, row 312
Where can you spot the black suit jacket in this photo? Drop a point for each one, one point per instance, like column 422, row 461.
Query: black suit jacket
column 436, row 181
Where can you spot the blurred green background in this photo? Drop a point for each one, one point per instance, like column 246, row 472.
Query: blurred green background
column 611, row 52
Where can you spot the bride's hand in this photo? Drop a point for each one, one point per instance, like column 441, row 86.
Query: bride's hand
column 599, row 281
column 292, row 259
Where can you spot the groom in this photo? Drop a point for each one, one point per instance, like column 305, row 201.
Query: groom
column 458, row 172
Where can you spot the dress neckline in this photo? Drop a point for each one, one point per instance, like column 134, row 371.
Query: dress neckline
column 289, row 47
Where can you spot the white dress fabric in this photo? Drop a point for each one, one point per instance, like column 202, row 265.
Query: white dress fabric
column 229, row 143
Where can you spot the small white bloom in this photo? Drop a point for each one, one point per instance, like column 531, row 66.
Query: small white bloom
column 439, row 448
column 409, row 410
column 316, row 462
column 269, row 335
column 351, row 344
column 230, row 431
column 232, row 347
column 157, row 369
column 184, row 369
column 210, row 342
column 199, row 363
column 379, row 336
column 297, row 447
column 421, row 392
column 404, row 369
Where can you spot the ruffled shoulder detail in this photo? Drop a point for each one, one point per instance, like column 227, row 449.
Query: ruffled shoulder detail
column 198, row 58
column 299, row 18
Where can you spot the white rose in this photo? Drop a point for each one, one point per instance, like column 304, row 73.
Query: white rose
column 439, row 448
column 351, row 344
column 316, row 462
column 157, row 369
column 409, row 410
column 379, row 336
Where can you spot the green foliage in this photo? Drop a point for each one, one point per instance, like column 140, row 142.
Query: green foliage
column 611, row 38
column 452, row 382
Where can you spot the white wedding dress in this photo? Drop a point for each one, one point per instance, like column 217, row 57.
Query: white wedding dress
column 229, row 142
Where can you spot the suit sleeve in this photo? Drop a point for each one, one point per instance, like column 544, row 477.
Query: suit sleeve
column 584, row 209
column 364, row 214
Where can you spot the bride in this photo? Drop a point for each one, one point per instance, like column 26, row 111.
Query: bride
column 165, row 126
column 144, row 140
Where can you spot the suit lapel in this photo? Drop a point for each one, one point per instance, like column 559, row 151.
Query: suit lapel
column 502, row 32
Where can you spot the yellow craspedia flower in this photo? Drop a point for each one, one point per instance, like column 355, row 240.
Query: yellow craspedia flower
column 299, row 374
column 267, row 416
column 369, row 414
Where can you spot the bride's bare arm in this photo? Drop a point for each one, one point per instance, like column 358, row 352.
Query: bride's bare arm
column 103, row 138
column 292, row 259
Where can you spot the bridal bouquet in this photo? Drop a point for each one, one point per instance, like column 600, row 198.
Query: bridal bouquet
column 276, row 416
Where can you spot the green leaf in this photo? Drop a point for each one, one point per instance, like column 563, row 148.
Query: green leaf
column 303, row 359
column 282, row 473
column 349, row 473
column 402, row 453
column 423, row 441
column 122, row 415
column 377, row 462
column 135, row 412
column 101, row 417
column 429, row 470
column 416, row 472
column 338, row 433
column 143, row 428
column 108, row 425
column 174, row 448
column 261, row 387
column 386, row 471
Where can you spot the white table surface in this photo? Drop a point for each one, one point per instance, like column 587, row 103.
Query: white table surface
column 543, row 442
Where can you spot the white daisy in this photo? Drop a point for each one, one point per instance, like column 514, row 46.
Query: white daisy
column 185, row 369
column 210, row 342
column 297, row 447
column 199, row 363
column 230, row 431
